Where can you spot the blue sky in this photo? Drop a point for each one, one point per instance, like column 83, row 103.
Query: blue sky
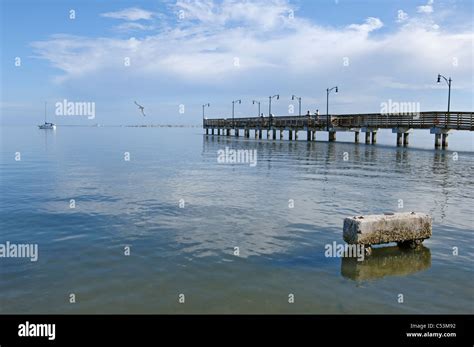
column 193, row 52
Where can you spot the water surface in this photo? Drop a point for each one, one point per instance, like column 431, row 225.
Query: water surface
column 190, row 250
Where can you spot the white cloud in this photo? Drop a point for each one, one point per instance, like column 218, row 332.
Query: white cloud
column 131, row 26
column 428, row 8
column 401, row 16
column 370, row 24
column 265, row 14
column 130, row 14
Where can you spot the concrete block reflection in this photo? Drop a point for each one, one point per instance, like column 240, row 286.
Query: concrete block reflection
column 387, row 261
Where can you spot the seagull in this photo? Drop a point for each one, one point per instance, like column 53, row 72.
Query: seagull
column 141, row 108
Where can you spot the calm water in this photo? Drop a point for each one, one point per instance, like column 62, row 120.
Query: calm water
column 190, row 250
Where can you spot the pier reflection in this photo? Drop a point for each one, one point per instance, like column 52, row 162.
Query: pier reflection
column 387, row 261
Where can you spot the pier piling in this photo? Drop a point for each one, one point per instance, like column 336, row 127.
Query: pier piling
column 367, row 137
column 405, row 139
column 399, row 139
column 444, row 140
column 374, row 137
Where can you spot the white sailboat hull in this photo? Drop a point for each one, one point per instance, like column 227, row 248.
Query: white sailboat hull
column 47, row 126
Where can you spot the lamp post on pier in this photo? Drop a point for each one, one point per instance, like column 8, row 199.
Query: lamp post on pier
column 257, row 102
column 270, row 117
column 203, row 106
column 328, row 90
column 277, row 96
column 233, row 107
column 293, row 97
column 448, row 81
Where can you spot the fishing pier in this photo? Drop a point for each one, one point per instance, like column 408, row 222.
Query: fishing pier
column 440, row 124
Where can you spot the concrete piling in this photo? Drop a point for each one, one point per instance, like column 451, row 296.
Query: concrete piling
column 405, row 139
column 290, row 135
column 356, row 137
column 332, row 136
column 367, row 137
column 440, row 134
column 399, row 139
column 374, row 137
column 281, row 134
column 402, row 135
column 444, row 140
column 308, row 135
column 296, row 135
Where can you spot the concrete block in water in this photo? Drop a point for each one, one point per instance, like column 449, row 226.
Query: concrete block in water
column 403, row 228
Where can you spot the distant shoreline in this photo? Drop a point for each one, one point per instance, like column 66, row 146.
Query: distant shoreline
column 132, row 126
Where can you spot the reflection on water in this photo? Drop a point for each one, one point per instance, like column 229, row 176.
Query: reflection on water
column 387, row 261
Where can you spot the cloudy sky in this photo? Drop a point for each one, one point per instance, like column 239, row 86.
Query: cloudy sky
column 172, row 57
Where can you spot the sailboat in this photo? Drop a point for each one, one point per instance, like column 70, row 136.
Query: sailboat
column 46, row 125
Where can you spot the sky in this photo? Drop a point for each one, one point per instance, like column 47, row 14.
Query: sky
column 174, row 56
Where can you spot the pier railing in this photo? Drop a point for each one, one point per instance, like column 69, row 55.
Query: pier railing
column 422, row 120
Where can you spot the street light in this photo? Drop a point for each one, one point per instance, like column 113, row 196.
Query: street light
column 448, row 81
column 205, row 105
column 277, row 96
column 293, row 97
column 328, row 90
column 233, row 103
column 257, row 102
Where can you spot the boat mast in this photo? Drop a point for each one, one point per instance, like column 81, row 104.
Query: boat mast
column 45, row 112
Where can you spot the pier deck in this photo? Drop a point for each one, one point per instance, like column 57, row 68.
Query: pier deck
column 439, row 124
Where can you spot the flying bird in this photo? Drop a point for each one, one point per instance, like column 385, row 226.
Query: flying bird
column 141, row 108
